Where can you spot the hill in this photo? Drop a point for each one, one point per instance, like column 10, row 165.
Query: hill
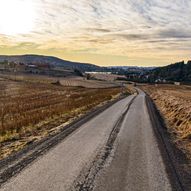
column 179, row 71
column 50, row 60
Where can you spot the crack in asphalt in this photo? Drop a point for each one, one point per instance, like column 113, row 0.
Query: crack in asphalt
column 85, row 181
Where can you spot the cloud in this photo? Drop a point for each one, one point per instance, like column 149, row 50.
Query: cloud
column 87, row 50
column 98, row 30
column 175, row 33
column 121, row 27
column 131, row 36
column 27, row 45
column 23, row 45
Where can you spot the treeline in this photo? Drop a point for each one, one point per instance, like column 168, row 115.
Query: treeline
column 179, row 71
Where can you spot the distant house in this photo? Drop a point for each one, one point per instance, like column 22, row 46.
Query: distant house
column 161, row 81
column 177, row 83
column 158, row 81
column 32, row 69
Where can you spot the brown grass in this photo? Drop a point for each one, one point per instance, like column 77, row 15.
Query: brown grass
column 71, row 81
column 174, row 103
column 31, row 111
column 82, row 82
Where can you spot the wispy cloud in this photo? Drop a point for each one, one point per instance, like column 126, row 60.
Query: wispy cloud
column 117, row 27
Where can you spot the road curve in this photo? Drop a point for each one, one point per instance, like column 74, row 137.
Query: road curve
column 59, row 168
column 137, row 164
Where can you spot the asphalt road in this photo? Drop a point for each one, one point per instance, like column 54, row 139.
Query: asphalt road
column 134, row 164
column 137, row 164
column 57, row 170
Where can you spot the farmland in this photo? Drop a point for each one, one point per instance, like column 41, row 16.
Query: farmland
column 79, row 81
column 174, row 103
column 72, row 81
column 106, row 77
column 30, row 111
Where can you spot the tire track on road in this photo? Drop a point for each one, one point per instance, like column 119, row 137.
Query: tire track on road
column 14, row 164
column 85, row 181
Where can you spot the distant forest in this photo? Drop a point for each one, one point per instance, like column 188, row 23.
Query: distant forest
column 179, row 72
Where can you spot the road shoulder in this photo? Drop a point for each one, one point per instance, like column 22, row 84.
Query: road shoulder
column 177, row 165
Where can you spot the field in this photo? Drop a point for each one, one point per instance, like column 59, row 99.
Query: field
column 174, row 103
column 81, row 82
column 73, row 81
column 106, row 77
column 30, row 111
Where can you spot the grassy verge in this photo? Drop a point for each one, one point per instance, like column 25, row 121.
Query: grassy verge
column 174, row 103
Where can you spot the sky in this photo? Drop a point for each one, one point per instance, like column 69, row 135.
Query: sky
column 102, row 32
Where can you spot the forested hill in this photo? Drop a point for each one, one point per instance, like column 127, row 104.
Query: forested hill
column 179, row 71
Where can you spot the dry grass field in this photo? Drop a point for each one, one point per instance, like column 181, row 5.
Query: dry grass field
column 72, row 81
column 106, row 77
column 29, row 78
column 174, row 103
column 30, row 111
column 81, row 82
